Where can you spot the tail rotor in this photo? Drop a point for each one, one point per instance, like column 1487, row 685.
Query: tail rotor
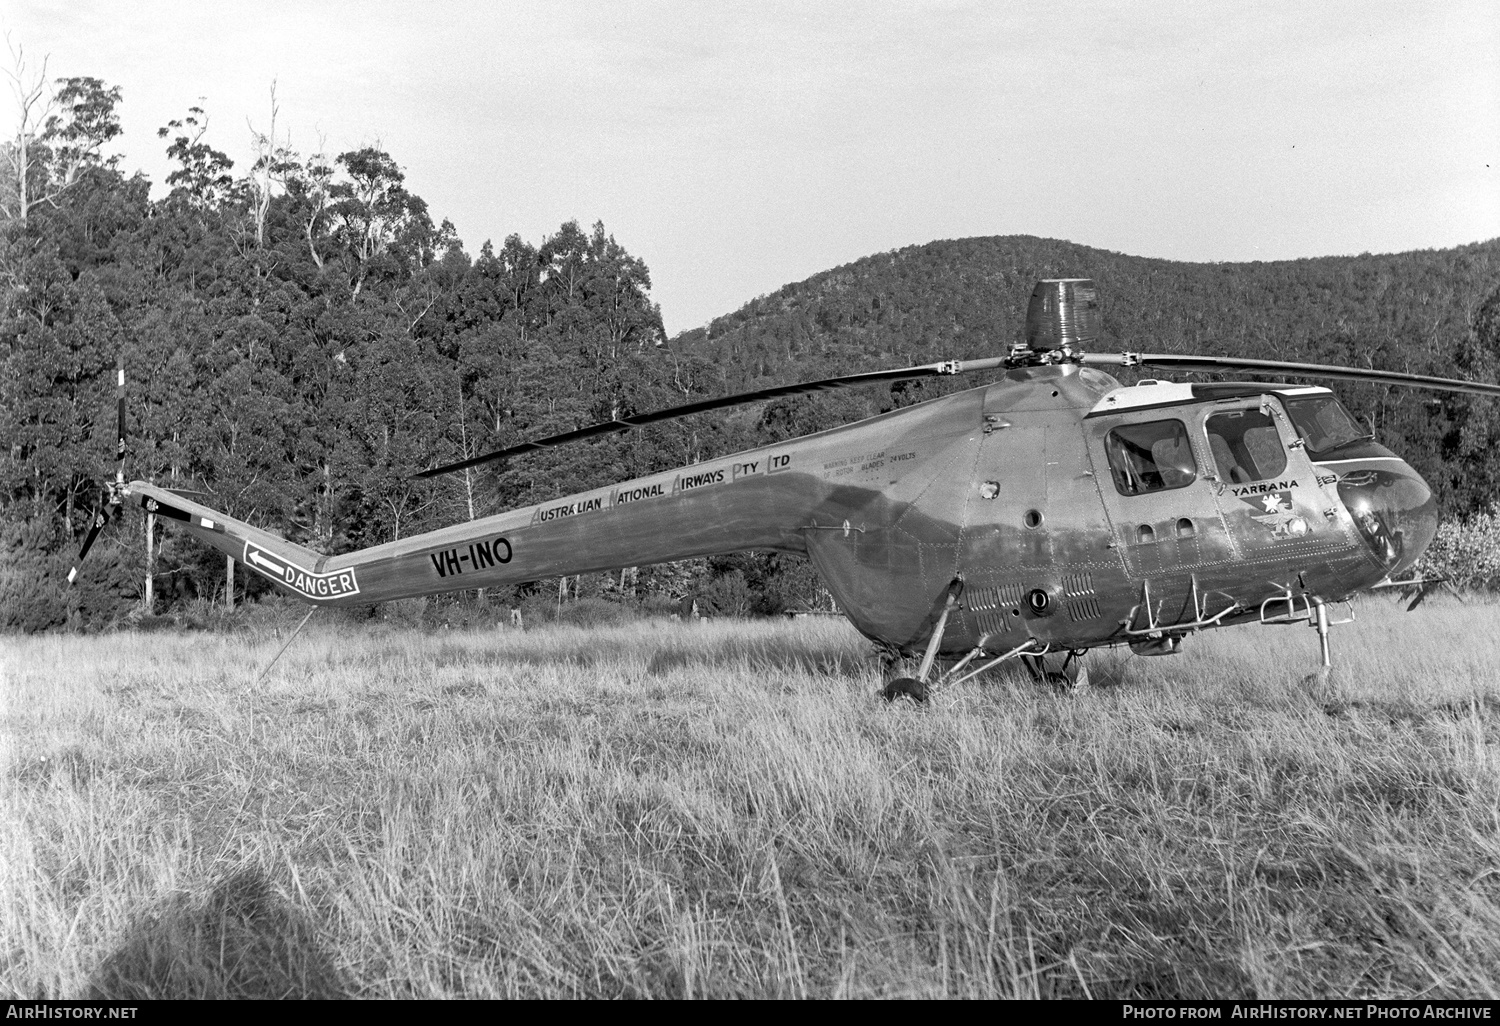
column 113, row 494
column 100, row 519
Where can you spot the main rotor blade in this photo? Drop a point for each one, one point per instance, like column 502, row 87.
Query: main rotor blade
column 88, row 543
column 1173, row 362
column 608, row 427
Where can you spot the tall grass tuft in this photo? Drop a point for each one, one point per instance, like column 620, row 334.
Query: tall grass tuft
column 724, row 809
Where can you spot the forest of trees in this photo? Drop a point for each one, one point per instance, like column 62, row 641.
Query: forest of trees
column 300, row 337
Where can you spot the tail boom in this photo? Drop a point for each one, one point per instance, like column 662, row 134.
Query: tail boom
column 768, row 498
column 678, row 515
column 269, row 554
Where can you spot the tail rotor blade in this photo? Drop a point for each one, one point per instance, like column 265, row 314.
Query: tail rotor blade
column 113, row 491
column 120, row 422
column 88, row 542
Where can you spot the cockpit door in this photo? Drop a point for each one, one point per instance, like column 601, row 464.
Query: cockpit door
column 1266, row 487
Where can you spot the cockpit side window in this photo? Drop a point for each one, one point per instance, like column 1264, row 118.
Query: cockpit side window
column 1150, row 457
column 1246, row 446
column 1323, row 423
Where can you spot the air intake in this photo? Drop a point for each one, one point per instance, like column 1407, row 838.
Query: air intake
column 1062, row 312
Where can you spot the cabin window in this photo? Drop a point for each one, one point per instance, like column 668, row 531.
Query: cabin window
column 1323, row 423
column 1246, row 446
column 1150, row 457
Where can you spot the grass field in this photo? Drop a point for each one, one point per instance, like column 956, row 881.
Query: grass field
column 672, row 810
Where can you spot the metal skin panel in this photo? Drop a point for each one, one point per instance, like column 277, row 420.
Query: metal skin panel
column 1005, row 488
column 886, row 542
column 1043, row 531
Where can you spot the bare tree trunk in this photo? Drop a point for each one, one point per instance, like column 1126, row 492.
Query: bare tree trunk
column 150, row 561
column 265, row 172
column 327, row 503
column 463, row 437
column 33, row 105
column 312, row 245
column 23, row 166
column 463, row 442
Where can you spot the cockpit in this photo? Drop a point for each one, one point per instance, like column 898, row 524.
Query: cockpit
column 1323, row 423
column 1244, row 443
column 1165, row 436
column 1157, row 455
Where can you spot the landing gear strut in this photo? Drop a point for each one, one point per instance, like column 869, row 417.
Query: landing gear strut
column 1061, row 670
column 915, row 688
column 1319, row 683
column 1313, row 611
column 1321, row 623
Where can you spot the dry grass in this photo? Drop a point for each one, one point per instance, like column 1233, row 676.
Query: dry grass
column 667, row 810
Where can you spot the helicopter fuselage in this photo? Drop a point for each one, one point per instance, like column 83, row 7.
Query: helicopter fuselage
column 1070, row 510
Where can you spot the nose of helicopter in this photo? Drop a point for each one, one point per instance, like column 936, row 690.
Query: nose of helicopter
column 1394, row 510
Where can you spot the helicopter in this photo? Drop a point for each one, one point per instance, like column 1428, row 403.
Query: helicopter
column 1047, row 513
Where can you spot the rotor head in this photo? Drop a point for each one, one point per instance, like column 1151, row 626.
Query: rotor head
column 1063, row 313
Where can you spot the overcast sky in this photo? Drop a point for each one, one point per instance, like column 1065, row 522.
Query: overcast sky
column 739, row 147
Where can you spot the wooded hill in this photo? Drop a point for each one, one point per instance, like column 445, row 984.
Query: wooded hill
column 300, row 339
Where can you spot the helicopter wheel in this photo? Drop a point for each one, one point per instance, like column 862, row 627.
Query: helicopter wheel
column 905, row 687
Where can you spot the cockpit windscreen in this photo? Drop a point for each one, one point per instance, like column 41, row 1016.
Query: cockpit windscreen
column 1323, row 422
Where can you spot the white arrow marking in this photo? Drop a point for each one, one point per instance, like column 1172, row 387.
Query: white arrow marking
column 255, row 557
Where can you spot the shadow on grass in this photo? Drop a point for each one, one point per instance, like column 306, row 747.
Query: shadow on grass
column 242, row 941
